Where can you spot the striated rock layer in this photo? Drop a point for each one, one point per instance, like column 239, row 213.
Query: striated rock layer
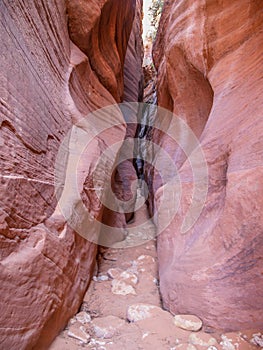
column 124, row 181
column 48, row 84
column 209, row 60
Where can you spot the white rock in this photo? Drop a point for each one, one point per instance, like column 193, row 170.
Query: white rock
column 114, row 273
column 77, row 331
column 188, row 322
column 202, row 339
column 226, row 343
column 121, row 288
column 97, row 342
column 103, row 278
column 145, row 259
column 129, row 276
column 83, row 317
column 139, row 312
column 141, row 257
column 257, row 339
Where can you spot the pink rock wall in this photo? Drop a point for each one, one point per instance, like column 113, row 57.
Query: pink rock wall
column 47, row 85
column 209, row 60
column 133, row 90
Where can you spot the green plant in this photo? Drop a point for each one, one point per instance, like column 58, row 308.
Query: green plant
column 155, row 11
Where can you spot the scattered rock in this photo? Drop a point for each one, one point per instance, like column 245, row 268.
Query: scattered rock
column 114, row 273
column 188, row 322
column 139, row 312
column 235, row 340
column 107, row 327
column 78, row 331
column 121, row 288
column 127, row 276
column 100, row 278
column 202, row 339
column 226, row 343
column 146, row 263
column 257, row 339
column 141, row 257
column 103, row 278
column 95, row 342
column 145, row 259
column 83, row 317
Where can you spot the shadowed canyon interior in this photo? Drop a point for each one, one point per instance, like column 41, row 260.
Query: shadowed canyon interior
column 61, row 61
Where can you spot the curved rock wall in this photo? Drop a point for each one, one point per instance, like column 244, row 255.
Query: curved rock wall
column 106, row 49
column 209, row 60
column 49, row 84
column 133, row 90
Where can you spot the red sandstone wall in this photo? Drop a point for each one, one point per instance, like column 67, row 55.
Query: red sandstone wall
column 209, row 59
column 47, row 85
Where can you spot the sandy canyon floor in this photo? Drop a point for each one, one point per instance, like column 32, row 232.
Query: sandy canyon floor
column 122, row 309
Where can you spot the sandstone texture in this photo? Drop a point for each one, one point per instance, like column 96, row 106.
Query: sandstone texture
column 125, row 177
column 109, row 321
column 60, row 60
column 208, row 55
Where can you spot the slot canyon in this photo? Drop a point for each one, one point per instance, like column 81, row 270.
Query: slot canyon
column 131, row 175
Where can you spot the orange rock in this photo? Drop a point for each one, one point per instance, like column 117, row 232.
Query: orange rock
column 49, row 83
column 209, row 61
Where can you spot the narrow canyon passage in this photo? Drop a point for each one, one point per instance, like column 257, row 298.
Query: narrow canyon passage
column 97, row 115
column 125, row 279
column 122, row 307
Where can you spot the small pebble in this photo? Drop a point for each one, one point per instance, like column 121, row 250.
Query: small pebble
column 103, row 278
column 188, row 322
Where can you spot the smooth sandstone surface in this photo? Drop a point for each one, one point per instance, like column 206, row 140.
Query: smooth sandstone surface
column 209, row 60
column 48, row 84
column 124, row 183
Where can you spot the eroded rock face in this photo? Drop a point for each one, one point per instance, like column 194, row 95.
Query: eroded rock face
column 124, row 184
column 106, row 49
column 49, row 84
column 209, row 61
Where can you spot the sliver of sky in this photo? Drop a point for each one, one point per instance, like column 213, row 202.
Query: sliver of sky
column 146, row 20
